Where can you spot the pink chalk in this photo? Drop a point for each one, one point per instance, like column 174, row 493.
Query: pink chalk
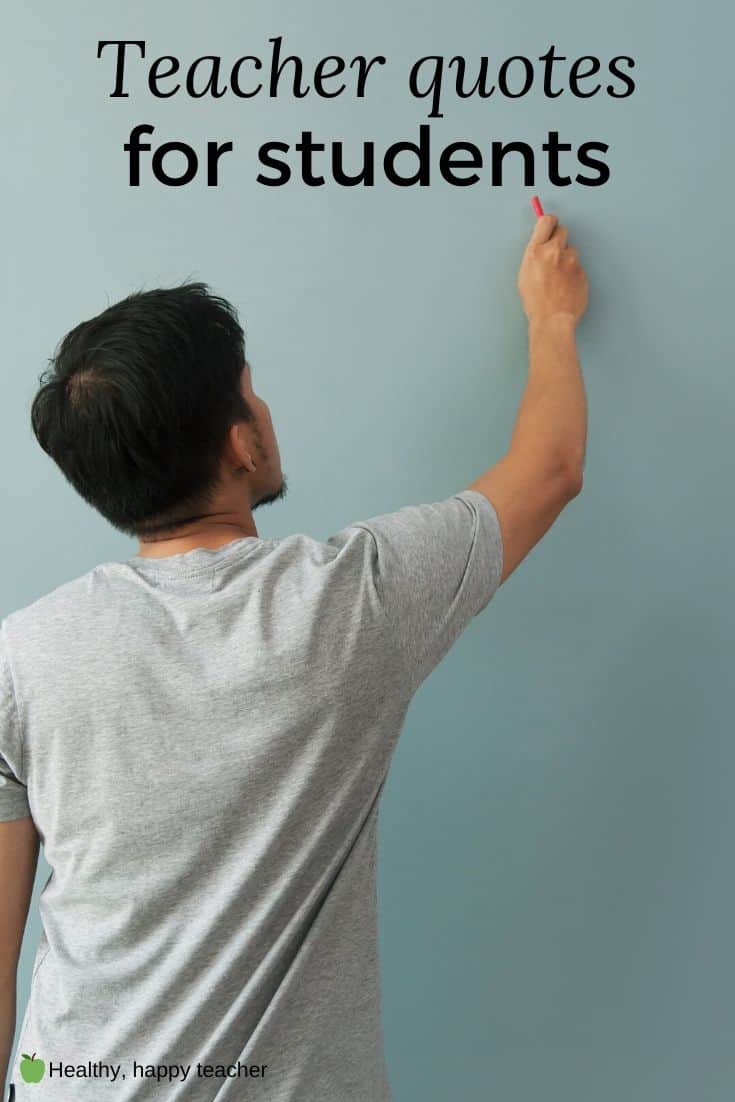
column 536, row 204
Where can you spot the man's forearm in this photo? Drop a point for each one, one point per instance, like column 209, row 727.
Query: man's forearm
column 551, row 423
column 7, row 1029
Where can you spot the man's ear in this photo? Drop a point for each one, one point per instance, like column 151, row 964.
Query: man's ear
column 236, row 447
column 238, row 450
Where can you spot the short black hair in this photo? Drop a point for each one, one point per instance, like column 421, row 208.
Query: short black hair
column 135, row 406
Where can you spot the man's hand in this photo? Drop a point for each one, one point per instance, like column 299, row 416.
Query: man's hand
column 551, row 279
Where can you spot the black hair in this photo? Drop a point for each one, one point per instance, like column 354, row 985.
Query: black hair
column 136, row 404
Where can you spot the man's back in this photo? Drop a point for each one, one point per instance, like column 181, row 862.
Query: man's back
column 202, row 740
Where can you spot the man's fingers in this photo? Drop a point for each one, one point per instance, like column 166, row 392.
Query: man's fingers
column 560, row 235
column 543, row 229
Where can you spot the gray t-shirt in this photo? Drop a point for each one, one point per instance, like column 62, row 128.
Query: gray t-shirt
column 202, row 741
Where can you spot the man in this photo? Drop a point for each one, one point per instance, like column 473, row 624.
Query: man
column 201, row 734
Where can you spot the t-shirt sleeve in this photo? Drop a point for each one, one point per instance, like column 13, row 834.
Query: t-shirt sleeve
column 13, row 791
column 437, row 566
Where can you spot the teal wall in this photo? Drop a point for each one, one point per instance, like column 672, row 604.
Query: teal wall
column 557, row 892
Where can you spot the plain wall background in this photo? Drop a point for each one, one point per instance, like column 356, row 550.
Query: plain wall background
column 556, row 883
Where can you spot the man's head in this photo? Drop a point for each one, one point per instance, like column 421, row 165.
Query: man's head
column 149, row 412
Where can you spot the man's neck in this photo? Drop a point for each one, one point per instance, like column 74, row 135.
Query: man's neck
column 212, row 537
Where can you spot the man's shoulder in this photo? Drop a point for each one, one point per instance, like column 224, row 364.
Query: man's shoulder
column 44, row 609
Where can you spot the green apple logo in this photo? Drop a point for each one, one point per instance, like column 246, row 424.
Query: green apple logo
column 32, row 1069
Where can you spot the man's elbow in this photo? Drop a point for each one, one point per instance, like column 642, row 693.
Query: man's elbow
column 576, row 481
column 572, row 478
